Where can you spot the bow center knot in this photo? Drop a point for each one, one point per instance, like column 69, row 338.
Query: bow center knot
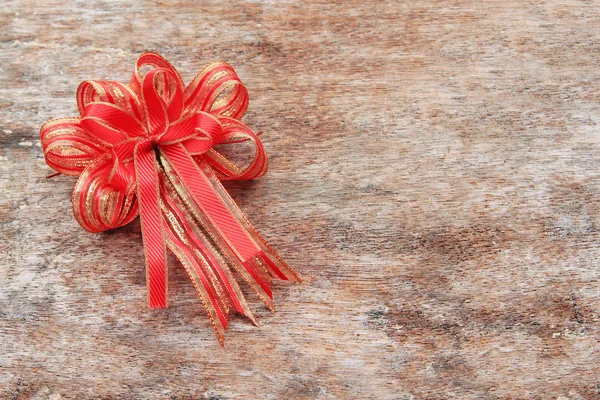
column 154, row 139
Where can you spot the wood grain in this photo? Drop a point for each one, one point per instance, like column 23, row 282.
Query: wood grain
column 434, row 178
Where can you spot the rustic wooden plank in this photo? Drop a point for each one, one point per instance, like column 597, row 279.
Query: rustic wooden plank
column 434, row 179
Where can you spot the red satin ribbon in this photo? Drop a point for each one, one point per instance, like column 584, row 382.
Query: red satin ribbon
column 146, row 148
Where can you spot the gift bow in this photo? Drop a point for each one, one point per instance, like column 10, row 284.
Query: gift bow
column 147, row 148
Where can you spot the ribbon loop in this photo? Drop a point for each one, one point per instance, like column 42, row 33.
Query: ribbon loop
column 217, row 89
column 162, row 97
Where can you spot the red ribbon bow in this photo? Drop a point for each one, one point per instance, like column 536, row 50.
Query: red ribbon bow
column 147, row 148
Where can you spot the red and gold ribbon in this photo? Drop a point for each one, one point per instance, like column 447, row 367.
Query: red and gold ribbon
column 146, row 149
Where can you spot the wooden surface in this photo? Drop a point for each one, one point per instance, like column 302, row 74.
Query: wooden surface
column 434, row 179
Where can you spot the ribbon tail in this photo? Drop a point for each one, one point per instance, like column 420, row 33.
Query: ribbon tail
column 204, row 251
column 228, row 242
column 148, row 192
column 266, row 258
column 211, row 276
column 218, row 216
column 217, row 310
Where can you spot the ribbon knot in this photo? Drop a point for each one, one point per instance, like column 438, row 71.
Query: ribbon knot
column 146, row 149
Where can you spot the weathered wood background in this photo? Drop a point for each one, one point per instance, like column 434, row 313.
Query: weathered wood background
column 434, row 178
